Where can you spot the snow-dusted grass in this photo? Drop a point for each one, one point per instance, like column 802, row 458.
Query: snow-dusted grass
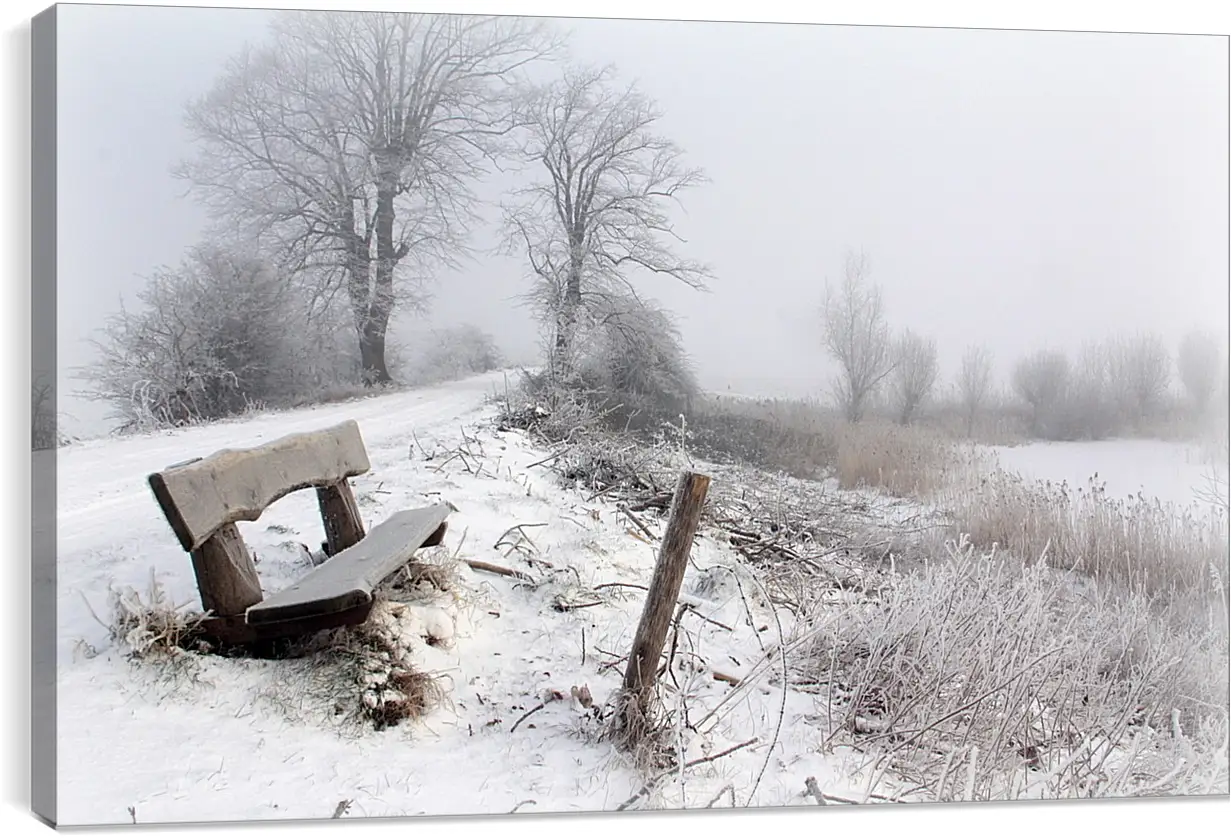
column 983, row 678
column 806, row 439
column 1144, row 545
column 499, row 684
column 1081, row 650
column 901, row 461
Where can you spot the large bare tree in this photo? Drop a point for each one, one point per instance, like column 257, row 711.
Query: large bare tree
column 856, row 334
column 597, row 214
column 350, row 144
column 1041, row 380
column 916, row 368
column 1140, row 375
column 974, row 383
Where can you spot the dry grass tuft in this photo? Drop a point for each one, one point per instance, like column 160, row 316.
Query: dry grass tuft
column 396, row 692
column 991, row 679
column 1142, row 544
column 359, row 677
column 152, row 626
column 642, row 729
column 805, row 439
column 901, row 461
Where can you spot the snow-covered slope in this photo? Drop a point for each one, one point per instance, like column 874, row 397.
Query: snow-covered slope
column 230, row 739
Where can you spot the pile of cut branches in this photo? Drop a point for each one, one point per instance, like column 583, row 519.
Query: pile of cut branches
column 796, row 531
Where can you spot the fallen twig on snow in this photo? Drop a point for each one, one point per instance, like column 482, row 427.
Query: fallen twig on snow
column 475, row 564
column 528, row 714
column 649, row 786
column 640, row 524
column 729, row 788
column 621, row 585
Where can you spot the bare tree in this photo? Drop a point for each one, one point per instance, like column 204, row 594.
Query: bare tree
column 916, row 369
column 1140, row 375
column 856, row 335
column 1041, row 381
column 43, row 426
column 1091, row 408
column 351, row 142
column 974, row 382
column 1197, row 363
column 598, row 213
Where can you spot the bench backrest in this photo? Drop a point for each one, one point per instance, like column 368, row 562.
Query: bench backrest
column 203, row 495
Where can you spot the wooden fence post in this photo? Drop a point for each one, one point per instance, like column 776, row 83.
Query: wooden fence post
column 682, row 522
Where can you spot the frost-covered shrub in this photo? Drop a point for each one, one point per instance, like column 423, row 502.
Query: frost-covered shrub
column 218, row 335
column 633, row 349
column 449, row 354
column 199, row 347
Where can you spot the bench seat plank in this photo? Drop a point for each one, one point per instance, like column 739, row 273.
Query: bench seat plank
column 347, row 580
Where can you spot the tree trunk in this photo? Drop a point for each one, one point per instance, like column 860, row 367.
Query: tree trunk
column 372, row 354
column 380, row 304
column 566, row 318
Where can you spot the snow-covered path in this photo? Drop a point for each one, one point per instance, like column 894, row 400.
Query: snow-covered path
column 229, row 739
column 101, row 479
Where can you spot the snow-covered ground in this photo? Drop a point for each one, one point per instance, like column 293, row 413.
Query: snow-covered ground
column 237, row 739
column 1170, row 471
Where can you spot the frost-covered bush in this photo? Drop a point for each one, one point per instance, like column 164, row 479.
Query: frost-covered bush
column 449, row 354
column 633, row 349
column 916, row 368
column 219, row 334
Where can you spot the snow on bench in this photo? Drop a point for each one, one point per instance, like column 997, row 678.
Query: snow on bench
column 203, row 499
column 347, row 580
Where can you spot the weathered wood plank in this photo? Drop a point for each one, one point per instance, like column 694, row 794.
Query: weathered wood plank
column 682, row 523
column 226, row 575
column 236, row 630
column 347, row 580
column 237, row 485
column 340, row 514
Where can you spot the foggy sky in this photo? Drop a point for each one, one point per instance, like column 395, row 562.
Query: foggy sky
column 1017, row 189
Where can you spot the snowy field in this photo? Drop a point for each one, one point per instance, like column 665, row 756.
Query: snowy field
column 1170, row 471
column 240, row 739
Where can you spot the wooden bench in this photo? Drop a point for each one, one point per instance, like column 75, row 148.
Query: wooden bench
column 203, row 499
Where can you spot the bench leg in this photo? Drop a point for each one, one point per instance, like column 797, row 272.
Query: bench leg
column 340, row 514
column 226, row 574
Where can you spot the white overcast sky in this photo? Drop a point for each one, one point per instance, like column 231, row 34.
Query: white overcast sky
column 1014, row 188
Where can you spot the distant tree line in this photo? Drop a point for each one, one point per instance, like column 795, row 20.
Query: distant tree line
column 1124, row 384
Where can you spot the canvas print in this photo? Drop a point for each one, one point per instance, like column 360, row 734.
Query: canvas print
column 459, row 415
